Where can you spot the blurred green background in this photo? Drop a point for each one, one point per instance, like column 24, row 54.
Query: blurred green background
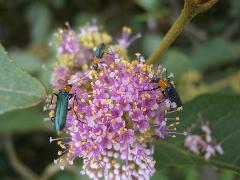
column 207, row 55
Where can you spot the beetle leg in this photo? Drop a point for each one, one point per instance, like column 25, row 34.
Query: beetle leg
column 70, row 96
column 151, row 89
column 164, row 94
column 74, row 109
column 159, row 102
column 75, row 99
column 172, row 110
column 52, row 119
column 51, row 102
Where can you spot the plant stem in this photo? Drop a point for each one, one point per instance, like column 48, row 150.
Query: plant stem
column 52, row 169
column 191, row 9
column 23, row 170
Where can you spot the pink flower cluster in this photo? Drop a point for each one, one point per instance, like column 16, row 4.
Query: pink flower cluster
column 113, row 120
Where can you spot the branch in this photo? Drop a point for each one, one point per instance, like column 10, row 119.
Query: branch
column 190, row 10
column 23, row 170
column 52, row 169
column 49, row 171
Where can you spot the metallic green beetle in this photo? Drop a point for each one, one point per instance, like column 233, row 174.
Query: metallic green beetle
column 98, row 55
column 61, row 109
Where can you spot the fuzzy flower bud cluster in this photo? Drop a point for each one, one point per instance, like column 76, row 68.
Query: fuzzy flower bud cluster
column 114, row 114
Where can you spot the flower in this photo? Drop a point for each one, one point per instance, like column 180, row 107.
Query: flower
column 125, row 39
column 69, row 42
column 140, row 164
column 115, row 114
column 203, row 144
column 75, row 51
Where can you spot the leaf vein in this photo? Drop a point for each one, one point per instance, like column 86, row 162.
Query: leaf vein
column 18, row 92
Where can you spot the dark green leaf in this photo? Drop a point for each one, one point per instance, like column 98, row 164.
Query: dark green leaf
column 215, row 52
column 26, row 60
column 222, row 112
column 227, row 175
column 235, row 8
column 58, row 4
column 150, row 5
column 39, row 17
column 150, row 42
column 17, row 88
column 176, row 62
column 23, row 120
column 82, row 19
column 143, row 17
column 159, row 175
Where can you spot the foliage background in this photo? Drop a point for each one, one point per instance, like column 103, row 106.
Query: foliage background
column 205, row 59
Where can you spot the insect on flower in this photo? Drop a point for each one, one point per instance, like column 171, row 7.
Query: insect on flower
column 167, row 88
column 59, row 116
column 98, row 55
column 114, row 123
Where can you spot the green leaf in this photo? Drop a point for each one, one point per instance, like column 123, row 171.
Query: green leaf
column 39, row 18
column 214, row 53
column 150, row 5
column 176, row 62
column 227, row 175
column 222, row 112
column 159, row 175
column 235, row 8
column 82, row 19
column 191, row 173
column 18, row 89
column 23, row 120
column 58, row 4
column 26, row 60
column 29, row 62
column 150, row 42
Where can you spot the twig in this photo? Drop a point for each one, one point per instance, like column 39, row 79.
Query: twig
column 49, row 171
column 52, row 169
column 190, row 10
column 23, row 170
column 197, row 32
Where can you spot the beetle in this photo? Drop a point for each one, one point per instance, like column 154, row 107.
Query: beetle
column 168, row 90
column 98, row 55
column 61, row 109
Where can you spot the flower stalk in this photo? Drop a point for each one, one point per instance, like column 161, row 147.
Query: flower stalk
column 24, row 171
column 190, row 10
